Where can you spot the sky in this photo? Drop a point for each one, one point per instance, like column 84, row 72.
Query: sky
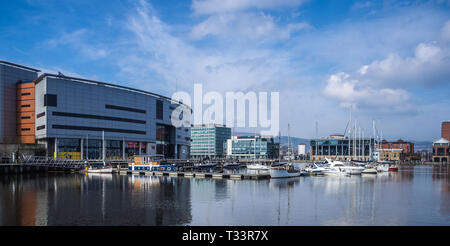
column 389, row 61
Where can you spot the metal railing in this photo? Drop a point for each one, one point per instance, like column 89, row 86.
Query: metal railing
column 39, row 161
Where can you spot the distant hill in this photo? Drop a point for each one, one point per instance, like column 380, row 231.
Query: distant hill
column 423, row 145
column 418, row 145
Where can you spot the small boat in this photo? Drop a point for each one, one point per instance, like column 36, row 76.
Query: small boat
column 205, row 165
column 277, row 164
column 150, row 163
column 382, row 168
column 284, row 172
column 315, row 169
column 369, row 170
column 338, row 167
column 99, row 170
column 393, row 168
column 257, row 166
column 231, row 165
column 386, row 166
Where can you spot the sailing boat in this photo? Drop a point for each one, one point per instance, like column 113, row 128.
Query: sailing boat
column 286, row 171
column 101, row 169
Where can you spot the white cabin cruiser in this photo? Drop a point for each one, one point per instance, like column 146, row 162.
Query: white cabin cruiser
column 315, row 169
column 338, row 167
column 99, row 170
column 370, row 170
column 257, row 166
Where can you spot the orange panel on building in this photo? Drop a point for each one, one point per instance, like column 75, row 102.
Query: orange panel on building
column 26, row 112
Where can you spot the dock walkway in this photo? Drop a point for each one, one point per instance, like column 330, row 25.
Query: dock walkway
column 198, row 174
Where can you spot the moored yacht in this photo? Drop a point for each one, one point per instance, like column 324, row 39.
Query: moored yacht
column 314, row 169
column 338, row 167
column 370, row 170
column 257, row 166
column 286, row 171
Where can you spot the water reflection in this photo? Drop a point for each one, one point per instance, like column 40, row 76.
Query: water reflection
column 415, row 195
column 73, row 199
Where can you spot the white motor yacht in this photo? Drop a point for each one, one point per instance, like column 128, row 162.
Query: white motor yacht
column 257, row 166
column 99, row 170
column 338, row 167
column 369, row 170
column 315, row 169
column 383, row 168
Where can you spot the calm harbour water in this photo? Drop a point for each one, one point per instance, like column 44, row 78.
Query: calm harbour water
column 415, row 195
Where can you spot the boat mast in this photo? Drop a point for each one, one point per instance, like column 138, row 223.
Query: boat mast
column 289, row 141
column 359, row 144
column 349, row 133
column 373, row 137
column 317, row 137
column 104, row 147
column 279, row 146
column 363, row 147
column 354, row 141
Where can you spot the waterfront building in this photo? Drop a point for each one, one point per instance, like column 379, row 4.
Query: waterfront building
column 441, row 150
column 13, row 76
column 406, row 147
column 441, row 147
column 208, row 140
column 84, row 119
column 389, row 150
column 389, row 154
column 250, row 147
column 341, row 147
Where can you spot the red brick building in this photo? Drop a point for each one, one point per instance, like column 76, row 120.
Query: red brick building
column 407, row 147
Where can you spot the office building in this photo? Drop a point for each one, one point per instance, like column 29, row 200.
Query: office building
column 208, row 140
column 84, row 119
column 251, row 147
column 10, row 75
column 342, row 148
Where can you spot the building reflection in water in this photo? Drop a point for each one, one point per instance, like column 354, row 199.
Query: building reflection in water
column 21, row 203
column 441, row 173
column 76, row 199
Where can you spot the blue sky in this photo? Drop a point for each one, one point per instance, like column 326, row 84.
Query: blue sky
column 389, row 60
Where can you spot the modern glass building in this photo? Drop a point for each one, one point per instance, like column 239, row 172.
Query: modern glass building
column 11, row 77
column 342, row 148
column 250, row 147
column 208, row 140
column 85, row 119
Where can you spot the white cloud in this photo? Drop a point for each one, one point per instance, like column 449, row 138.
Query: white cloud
column 221, row 6
column 158, row 55
column 381, row 85
column 76, row 39
column 350, row 92
column 244, row 25
column 429, row 66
